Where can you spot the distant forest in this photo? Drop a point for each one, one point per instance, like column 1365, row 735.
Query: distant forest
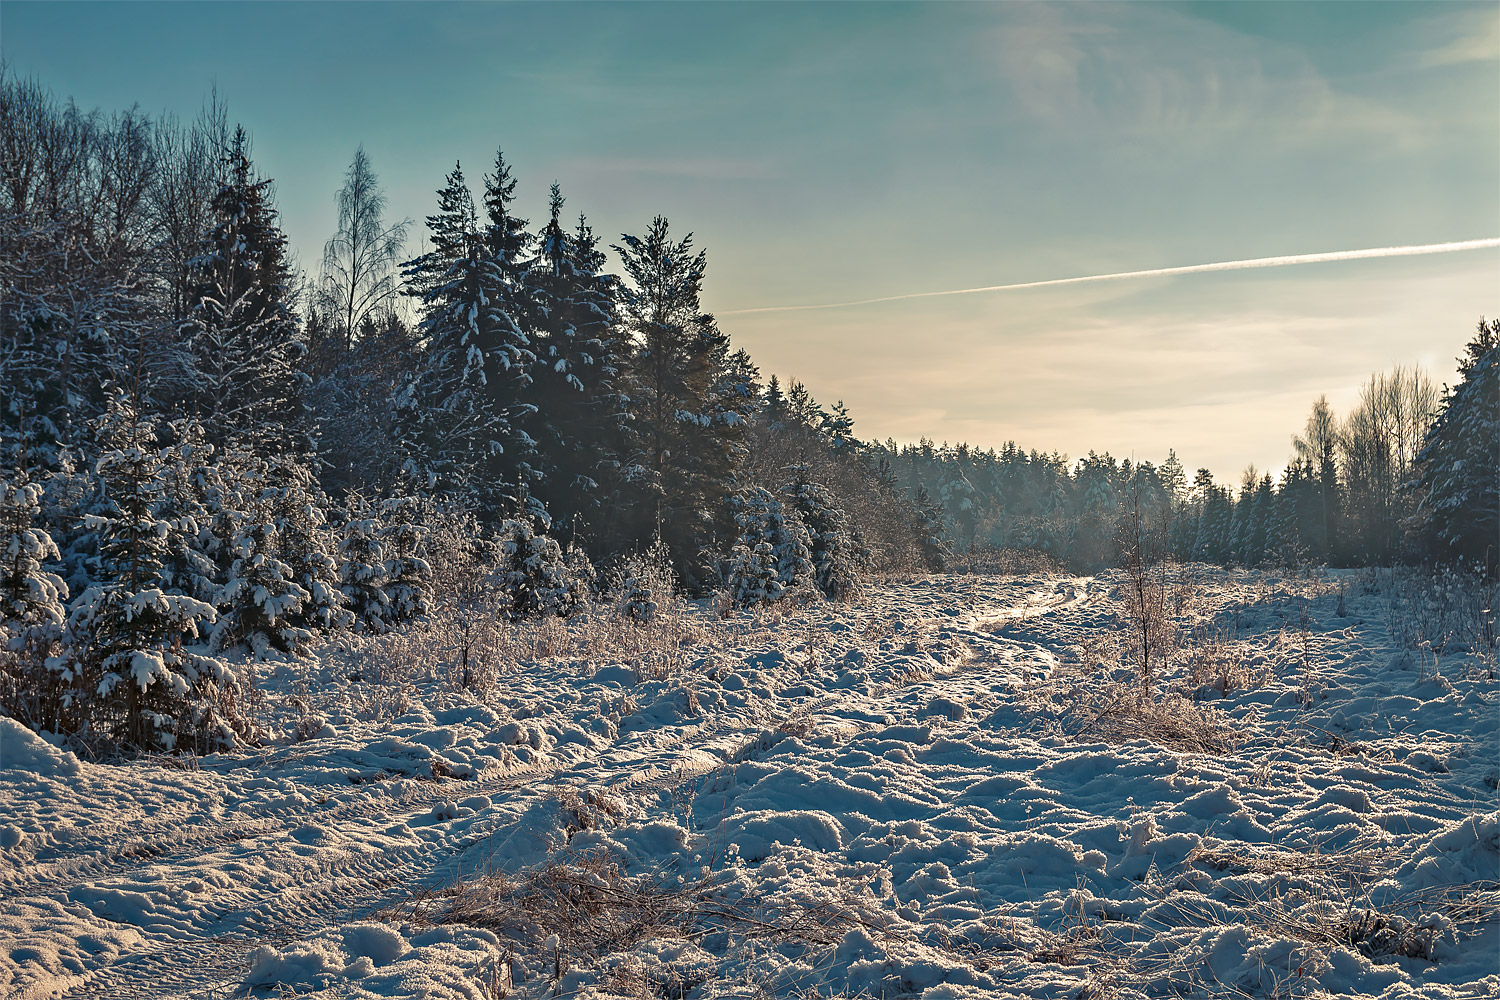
column 206, row 448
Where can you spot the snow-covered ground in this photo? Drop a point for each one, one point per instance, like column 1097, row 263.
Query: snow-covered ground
column 944, row 790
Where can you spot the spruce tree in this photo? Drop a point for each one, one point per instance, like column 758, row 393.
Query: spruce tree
column 682, row 446
column 31, row 607
column 244, row 339
column 575, row 408
column 133, row 671
column 460, row 431
column 772, row 559
column 1458, row 468
column 362, row 563
column 408, row 575
column 835, row 545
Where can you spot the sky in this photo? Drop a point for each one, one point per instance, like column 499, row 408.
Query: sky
column 835, row 152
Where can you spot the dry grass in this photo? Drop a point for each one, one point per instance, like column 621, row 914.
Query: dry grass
column 1216, row 661
column 1119, row 713
column 581, row 908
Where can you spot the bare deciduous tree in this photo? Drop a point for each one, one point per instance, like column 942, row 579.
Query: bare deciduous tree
column 361, row 274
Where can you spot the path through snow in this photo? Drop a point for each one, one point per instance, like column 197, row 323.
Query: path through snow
column 942, row 791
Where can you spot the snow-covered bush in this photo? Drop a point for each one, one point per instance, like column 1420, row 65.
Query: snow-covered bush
column 772, row 560
column 31, row 608
column 641, row 582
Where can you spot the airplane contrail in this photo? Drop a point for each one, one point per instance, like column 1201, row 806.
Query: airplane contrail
column 1159, row 272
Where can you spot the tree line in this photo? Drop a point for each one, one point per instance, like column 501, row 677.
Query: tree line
column 207, row 451
column 1410, row 475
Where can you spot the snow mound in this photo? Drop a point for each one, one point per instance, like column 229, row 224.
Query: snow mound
column 757, row 835
column 23, row 750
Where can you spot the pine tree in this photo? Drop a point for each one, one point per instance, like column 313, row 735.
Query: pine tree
column 189, row 480
column 1458, row 468
column 513, row 319
column 927, row 526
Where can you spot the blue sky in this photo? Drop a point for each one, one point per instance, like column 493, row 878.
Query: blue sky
column 844, row 151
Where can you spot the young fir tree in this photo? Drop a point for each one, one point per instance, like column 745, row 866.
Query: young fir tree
column 362, row 563
column 263, row 603
column 309, row 548
column 190, row 479
column 772, row 559
column 1458, row 468
column 31, row 608
column 408, row 576
column 839, row 557
column 927, row 527
column 132, row 670
column 533, row 574
column 244, row 339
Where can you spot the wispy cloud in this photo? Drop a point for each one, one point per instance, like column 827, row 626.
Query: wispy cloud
column 1473, row 36
column 1286, row 260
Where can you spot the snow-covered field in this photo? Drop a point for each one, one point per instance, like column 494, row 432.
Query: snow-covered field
column 943, row 790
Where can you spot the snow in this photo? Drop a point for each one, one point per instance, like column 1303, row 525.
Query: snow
column 900, row 796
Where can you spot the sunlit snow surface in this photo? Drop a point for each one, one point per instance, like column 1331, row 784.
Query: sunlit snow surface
column 913, row 795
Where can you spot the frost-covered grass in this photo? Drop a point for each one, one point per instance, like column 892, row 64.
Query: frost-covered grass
column 956, row 786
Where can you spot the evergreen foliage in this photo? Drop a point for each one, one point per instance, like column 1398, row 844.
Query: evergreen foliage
column 1458, row 467
column 246, row 343
column 772, row 559
column 131, row 665
column 535, row 578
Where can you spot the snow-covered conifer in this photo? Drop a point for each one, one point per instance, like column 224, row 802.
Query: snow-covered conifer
column 839, row 556
column 1458, row 468
column 31, row 608
column 310, row 548
column 407, row 575
column 362, row 563
column 772, row 559
column 534, row 575
column 132, row 667
column 458, row 414
column 189, row 479
column 244, row 338
column 261, row 600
